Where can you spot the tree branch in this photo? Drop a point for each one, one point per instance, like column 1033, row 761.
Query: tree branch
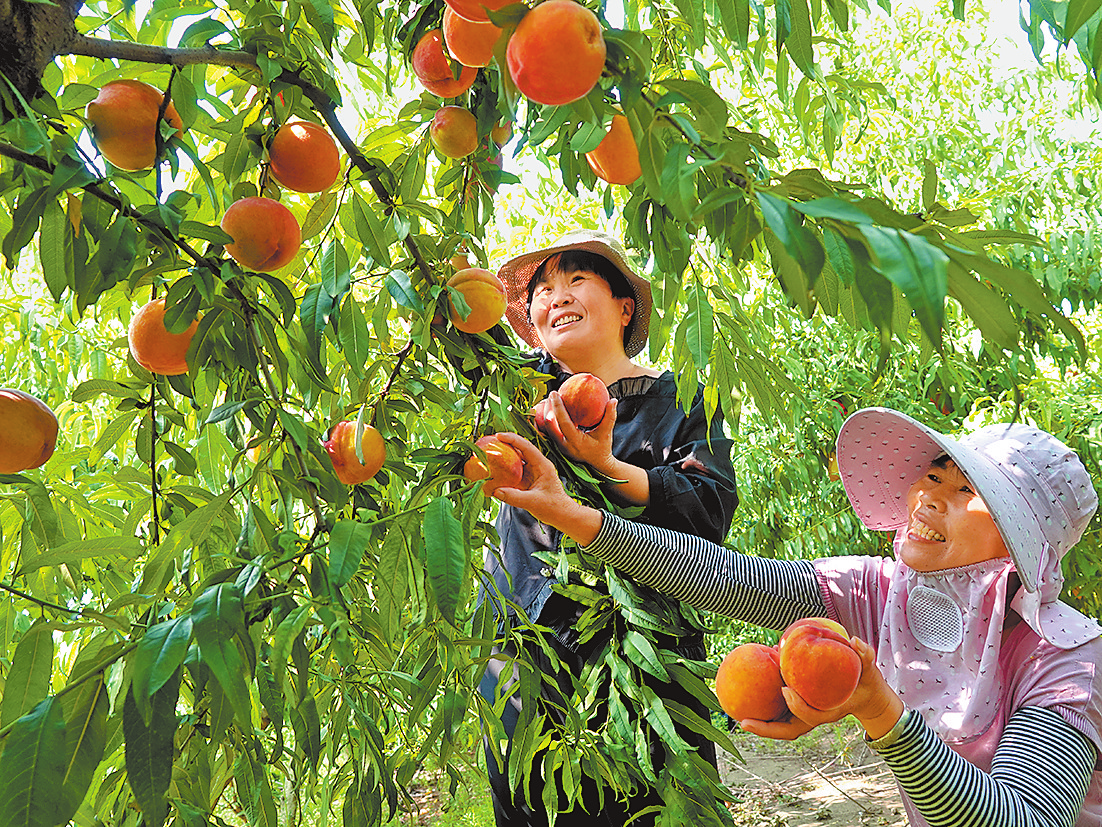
column 143, row 53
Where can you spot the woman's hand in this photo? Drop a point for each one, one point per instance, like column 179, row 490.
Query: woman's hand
column 873, row 703
column 543, row 496
column 593, row 447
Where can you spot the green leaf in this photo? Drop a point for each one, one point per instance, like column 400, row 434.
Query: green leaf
column 218, row 620
column 122, row 425
column 109, row 547
column 24, row 221
column 708, row 108
column 347, row 541
column 314, row 312
column 320, row 215
column 446, row 555
column 699, row 326
column 160, row 653
column 354, row 334
column 86, row 709
column 149, row 750
column 642, row 653
column 929, row 185
column 28, row 680
column 286, row 634
column 241, row 152
column 55, row 250
column 1078, row 13
column 91, row 388
column 917, row 268
column 336, row 270
column 32, row 768
column 401, row 290
column 798, row 40
column 254, row 791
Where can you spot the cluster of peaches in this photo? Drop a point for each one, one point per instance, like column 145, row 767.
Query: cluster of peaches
column 814, row 659
column 554, row 57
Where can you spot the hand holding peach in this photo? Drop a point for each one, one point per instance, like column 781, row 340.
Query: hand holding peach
column 748, row 684
column 593, row 447
column 818, row 662
column 501, row 467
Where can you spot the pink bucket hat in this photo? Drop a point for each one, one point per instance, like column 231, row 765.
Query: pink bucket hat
column 517, row 272
column 1036, row 488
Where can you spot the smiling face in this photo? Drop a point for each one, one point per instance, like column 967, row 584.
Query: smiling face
column 949, row 525
column 576, row 315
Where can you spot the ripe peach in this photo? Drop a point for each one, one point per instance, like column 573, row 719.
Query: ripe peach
column 341, row 447
column 469, row 41
column 475, row 10
column 124, row 122
column 557, row 53
column 748, row 683
column 304, row 157
column 28, row 431
column 454, row 131
column 616, row 158
column 434, row 70
column 585, row 397
column 151, row 344
column 484, row 294
column 266, row 235
column 818, row 662
column 502, row 468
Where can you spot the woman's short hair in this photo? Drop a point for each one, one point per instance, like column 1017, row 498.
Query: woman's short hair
column 573, row 261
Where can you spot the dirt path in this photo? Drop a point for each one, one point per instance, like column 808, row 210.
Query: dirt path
column 835, row 779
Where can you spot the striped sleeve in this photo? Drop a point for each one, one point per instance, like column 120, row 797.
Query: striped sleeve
column 758, row 590
column 1039, row 774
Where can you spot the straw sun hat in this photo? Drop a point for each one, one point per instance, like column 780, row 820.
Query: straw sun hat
column 517, row 272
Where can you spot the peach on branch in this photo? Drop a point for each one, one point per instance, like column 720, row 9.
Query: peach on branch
column 748, row 683
column 153, row 346
column 502, row 467
column 585, row 398
column 557, row 53
column 485, row 296
column 304, row 157
column 475, row 10
column 341, row 447
column 266, row 235
column 28, row 431
column 124, row 122
column 454, row 131
column 434, row 69
column 469, row 41
column 616, row 158
column 818, row 663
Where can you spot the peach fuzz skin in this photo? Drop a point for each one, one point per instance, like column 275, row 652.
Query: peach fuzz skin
column 502, row 467
column 818, row 663
column 585, row 397
column 342, row 451
column 748, row 683
column 266, row 235
column 485, row 296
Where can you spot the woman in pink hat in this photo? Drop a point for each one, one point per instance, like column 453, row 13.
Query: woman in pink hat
column 980, row 688
column 585, row 309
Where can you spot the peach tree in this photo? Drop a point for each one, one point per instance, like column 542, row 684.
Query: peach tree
column 204, row 624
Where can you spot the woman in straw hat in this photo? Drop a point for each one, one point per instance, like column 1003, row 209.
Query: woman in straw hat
column 980, row 688
column 581, row 304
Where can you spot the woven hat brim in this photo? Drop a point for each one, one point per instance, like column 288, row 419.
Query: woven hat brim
column 517, row 272
column 882, row 452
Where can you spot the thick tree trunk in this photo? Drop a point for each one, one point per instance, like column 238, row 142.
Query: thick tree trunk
column 31, row 36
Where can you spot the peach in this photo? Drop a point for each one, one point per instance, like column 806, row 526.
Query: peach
column 266, row 235
column 454, row 131
column 818, row 663
column 434, row 70
column 616, row 158
column 475, row 10
column 469, row 41
column 485, row 296
column 557, row 53
column 304, row 157
column 124, row 122
column 501, row 132
column 748, row 683
column 341, row 447
column 502, row 468
column 28, row 431
column 152, row 346
column 585, row 397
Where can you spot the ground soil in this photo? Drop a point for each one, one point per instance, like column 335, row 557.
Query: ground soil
column 832, row 778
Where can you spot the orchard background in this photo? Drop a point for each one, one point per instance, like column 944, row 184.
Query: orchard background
column 840, row 205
